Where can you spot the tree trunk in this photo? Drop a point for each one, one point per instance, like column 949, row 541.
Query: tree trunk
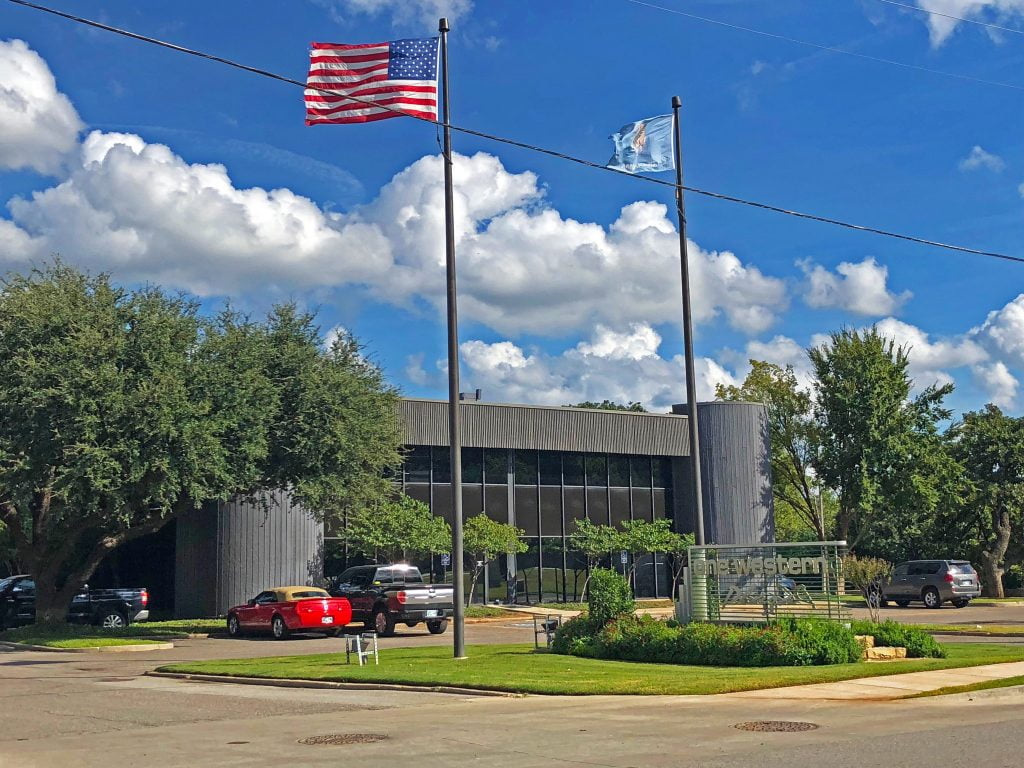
column 992, row 585
column 52, row 601
column 472, row 587
column 992, row 556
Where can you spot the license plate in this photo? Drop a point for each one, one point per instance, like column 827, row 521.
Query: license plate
column 966, row 582
column 326, row 619
column 432, row 613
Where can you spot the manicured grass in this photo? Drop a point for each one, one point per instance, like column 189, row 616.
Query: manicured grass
column 1005, row 682
column 973, row 629
column 519, row 669
column 180, row 626
column 87, row 642
column 489, row 612
column 48, row 635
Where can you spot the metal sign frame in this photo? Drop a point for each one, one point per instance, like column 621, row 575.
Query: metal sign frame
column 761, row 583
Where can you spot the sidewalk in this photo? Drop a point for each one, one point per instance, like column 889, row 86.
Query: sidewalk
column 888, row 687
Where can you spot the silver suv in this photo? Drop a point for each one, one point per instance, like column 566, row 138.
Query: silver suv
column 933, row 582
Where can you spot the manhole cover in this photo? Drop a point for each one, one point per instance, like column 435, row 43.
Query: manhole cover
column 776, row 726
column 344, row 738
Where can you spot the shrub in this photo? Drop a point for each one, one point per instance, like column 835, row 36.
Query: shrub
column 919, row 644
column 608, row 596
column 1013, row 577
column 643, row 638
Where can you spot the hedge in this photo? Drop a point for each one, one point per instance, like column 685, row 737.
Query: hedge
column 919, row 644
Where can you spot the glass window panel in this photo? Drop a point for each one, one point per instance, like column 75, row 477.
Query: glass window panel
column 597, row 506
column 418, row 491
column 417, row 464
column 496, row 466
column 620, row 505
column 441, row 504
column 572, row 468
column 472, row 465
column 472, row 500
column 641, row 503
column 441, row 463
column 526, row 509
column 550, row 467
column 552, row 573
column 575, row 508
column 662, row 472
column 496, row 502
column 550, row 511
column 597, row 470
column 618, row 471
column 526, row 467
column 640, row 471
column 660, row 499
column 527, row 576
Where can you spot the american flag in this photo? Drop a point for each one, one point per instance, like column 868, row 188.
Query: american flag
column 401, row 75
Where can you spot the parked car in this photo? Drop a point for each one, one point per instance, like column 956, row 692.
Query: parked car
column 932, row 582
column 283, row 610
column 110, row 608
column 385, row 595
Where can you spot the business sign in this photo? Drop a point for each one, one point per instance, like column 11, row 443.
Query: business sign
column 764, row 582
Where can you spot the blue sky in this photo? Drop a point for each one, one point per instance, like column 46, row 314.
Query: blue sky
column 164, row 168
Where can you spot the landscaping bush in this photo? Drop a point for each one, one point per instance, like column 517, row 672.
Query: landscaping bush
column 643, row 638
column 608, row 596
column 919, row 644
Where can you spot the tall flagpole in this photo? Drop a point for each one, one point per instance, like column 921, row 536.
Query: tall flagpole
column 454, row 425
column 691, row 376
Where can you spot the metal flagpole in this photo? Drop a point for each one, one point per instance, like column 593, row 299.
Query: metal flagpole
column 691, row 376
column 454, row 426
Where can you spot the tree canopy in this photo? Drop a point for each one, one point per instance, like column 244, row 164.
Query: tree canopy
column 397, row 528
column 121, row 409
column 610, row 405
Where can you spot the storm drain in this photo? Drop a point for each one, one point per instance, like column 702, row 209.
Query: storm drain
column 776, row 726
column 341, row 739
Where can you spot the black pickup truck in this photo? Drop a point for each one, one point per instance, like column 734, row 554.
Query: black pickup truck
column 385, row 595
column 111, row 608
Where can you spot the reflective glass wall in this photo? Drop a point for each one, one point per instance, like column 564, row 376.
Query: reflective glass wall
column 544, row 493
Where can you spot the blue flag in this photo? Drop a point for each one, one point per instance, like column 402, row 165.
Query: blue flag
column 645, row 145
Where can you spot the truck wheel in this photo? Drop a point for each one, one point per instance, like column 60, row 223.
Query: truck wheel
column 437, row 627
column 931, row 598
column 961, row 603
column 234, row 628
column 112, row 620
column 383, row 623
column 278, row 628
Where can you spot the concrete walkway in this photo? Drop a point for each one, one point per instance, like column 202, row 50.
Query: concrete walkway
column 890, row 686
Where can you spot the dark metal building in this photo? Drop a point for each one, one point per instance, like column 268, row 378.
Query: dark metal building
column 538, row 468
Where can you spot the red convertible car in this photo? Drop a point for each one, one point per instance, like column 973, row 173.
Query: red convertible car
column 284, row 610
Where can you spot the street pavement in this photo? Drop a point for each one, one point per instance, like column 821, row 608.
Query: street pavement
column 93, row 709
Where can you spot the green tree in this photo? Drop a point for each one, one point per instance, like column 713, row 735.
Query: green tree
column 594, row 542
column 120, row 410
column 879, row 449
column 643, row 537
column 678, row 549
column 800, row 503
column 483, row 540
column 990, row 446
column 609, row 405
column 396, row 528
column 867, row 575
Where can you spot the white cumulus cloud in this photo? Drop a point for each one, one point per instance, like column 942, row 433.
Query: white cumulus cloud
column 855, row 287
column 618, row 365
column 978, row 158
column 1003, row 331
column 38, row 124
column 941, row 25
column 929, row 360
column 998, row 382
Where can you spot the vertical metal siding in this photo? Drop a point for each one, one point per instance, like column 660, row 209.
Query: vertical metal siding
column 735, row 461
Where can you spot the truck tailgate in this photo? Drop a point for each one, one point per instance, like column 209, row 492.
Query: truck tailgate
column 422, row 597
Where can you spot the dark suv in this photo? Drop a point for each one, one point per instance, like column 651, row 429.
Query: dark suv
column 933, row 582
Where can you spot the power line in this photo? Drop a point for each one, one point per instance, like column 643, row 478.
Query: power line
column 530, row 147
column 919, row 9
column 829, row 48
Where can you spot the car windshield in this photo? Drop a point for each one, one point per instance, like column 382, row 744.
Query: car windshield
column 4, row 583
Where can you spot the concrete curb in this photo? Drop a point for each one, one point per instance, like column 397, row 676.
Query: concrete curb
column 330, row 684
column 139, row 648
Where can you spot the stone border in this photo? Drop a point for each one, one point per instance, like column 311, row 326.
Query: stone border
column 139, row 648
column 286, row 682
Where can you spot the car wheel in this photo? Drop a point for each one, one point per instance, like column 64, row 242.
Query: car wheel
column 931, row 598
column 234, row 628
column 383, row 624
column 902, row 603
column 112, row 620
column 961, row 603
column 437, row 627
column 278, row 628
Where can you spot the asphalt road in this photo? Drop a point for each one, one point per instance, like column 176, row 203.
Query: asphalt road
column 93, row 709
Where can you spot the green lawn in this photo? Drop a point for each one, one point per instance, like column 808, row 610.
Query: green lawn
column 519, row 669
column 489, row 612
column 974, row 629
column 86, row 642
column 135, row 633
column 1006, row 682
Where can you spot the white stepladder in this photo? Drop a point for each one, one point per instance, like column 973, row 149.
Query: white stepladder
column 362, row 646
